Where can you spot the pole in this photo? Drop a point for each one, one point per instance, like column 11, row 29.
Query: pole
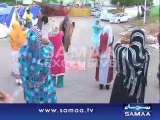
column 145, row 8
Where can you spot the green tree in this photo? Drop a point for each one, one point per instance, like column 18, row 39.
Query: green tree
column 49, row 1
column 130, row 2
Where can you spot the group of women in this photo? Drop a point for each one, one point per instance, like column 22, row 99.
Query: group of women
column 102, row 41
column 38, row 58
column 131, row 64
column 41, row 66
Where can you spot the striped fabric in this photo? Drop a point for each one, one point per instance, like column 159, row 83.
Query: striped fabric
column 133, row 63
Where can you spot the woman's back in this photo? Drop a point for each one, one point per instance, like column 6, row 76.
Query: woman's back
column 58, row 63
column 35, row 62
column 56, row 41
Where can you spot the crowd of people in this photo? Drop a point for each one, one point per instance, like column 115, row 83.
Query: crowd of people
column 132, row 64
column 38, row 56
column 38, row 60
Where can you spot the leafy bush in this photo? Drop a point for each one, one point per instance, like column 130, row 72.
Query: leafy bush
column 155, row 11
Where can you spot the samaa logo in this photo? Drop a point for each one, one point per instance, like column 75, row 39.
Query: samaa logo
column 137, row 110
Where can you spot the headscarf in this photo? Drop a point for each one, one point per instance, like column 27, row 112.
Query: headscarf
column 95, row 28
column 32, row 59
column 138, row 35
column 137, row 58
column 137, row 41
column 54, row 29
column 18, row 37
column 108, row 29
column 96, row 20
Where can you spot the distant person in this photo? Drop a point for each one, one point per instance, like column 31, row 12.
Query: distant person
column 58, row 62
column 29, row 19
column 142, row 10
column 67, row 27
column 43, row 10
column 40, row 16
column 158, row 74
column 96, row 31
column 132, row 67
column 104, row 59
column 118, row 5
column 17, row 39
column 35, row 61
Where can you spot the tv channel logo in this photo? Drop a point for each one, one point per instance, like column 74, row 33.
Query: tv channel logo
column 137, row 110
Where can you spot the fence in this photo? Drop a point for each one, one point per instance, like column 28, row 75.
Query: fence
column 80, row 12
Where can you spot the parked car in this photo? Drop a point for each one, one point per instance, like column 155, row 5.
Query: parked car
column 119, row 18
column 105, row 15
column 96, row 12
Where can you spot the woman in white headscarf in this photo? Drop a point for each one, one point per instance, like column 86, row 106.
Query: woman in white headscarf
column 104, row 61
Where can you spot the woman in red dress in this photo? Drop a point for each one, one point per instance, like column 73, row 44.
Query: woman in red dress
column 58, row 63
column 104, row 69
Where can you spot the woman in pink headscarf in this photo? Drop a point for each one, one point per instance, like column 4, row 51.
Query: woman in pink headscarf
column 58, row 64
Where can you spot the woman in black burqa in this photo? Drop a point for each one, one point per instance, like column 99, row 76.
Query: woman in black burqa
column 132, row 66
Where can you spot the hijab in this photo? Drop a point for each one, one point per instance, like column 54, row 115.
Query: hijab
column 137, row 41
column 18, row 37
column 95, row 28
column 137, row 58
column 108, row 30
column 32, row 58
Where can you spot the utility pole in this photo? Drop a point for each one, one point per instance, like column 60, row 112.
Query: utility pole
column 145, row 9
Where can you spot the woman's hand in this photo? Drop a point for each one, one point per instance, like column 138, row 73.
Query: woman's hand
column 45, row 41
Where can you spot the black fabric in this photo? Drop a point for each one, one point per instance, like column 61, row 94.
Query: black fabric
column 45, row 19
column 132, row 67
column 119, row 92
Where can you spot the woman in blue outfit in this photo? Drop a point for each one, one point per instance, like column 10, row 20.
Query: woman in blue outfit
column 96, row 31
column 35, row 62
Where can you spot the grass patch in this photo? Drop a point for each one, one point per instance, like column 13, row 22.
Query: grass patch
column 139, row 21
column 155, row 11
column 152, row 19
column 9, row 2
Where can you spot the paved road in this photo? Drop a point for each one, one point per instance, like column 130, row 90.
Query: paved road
column 80, row 86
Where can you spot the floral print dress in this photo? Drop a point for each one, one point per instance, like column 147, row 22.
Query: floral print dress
column 35, row 62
